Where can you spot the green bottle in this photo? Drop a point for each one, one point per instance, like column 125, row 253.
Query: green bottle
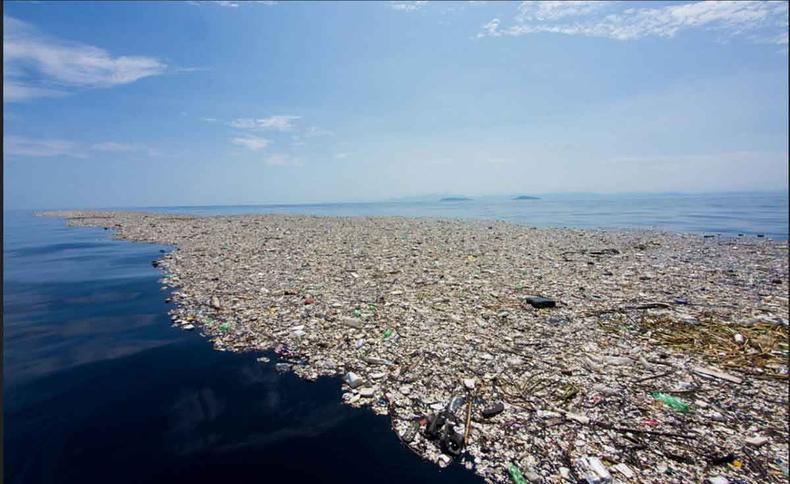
column 672, row 402
column 516, row 474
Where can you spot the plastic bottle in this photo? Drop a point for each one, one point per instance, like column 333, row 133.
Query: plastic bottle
column 516, row 474
column 672, row 402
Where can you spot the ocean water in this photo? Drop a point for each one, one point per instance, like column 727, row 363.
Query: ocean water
column 99, row 387
column 754, row 213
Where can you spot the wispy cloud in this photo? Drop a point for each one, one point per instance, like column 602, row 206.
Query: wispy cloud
column 113, row 147
column 554, row 10
column 252, row 143
column 191, row 69
column 314, row 131
column 341, row 156
column 24, row 146
column 36, row 65
column 232, row 4
column 280, row 159
column 274, row 123
column 622, row 21
column 407, row 6
column 19, row 91
column 278, row 126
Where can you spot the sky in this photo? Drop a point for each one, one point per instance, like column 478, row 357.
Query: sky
column 203, row 103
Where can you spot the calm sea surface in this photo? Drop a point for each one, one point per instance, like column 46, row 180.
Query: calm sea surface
column 98, row 386
column 728, row 213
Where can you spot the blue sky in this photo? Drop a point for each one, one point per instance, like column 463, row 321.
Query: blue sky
column 164, row 103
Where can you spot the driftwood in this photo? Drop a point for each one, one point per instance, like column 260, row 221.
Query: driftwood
column 630, row 307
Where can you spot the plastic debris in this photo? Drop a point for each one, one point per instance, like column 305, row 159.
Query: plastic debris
column 540, row 302
column 410, row 432
column 711, row 373
column 492, row 410
column 516, row 475
column 672, row 402
column 624, row 470
column 717, row 480
column 722, row 459
column 782, row 464
column 456, row 403
column 282, row 350
column 757, row 440
column 618, row 336
column 367, row 392
column 592, row 470
column 353, row 380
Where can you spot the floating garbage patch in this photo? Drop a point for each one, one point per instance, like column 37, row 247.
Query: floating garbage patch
column 526, row 355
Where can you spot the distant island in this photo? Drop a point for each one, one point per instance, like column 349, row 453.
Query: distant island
column 454, row 199
column 526, row 197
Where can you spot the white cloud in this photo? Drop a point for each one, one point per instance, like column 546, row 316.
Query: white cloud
column 191, row 69
column 113, row 147
column 341, row 156
column 407, row 6
column 274, row 123
column 45, row 148
column 23, row 146
column 553, row 10
column 253, row 143
column 611, row 20
column 17, row 91
column 36, row 65
column 279, row 159
column 778, row 39
column 491, row 29
column 314, row 131
column 230, row 4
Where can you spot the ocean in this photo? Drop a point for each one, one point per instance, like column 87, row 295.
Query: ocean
column 753, row 213
column 99, row 387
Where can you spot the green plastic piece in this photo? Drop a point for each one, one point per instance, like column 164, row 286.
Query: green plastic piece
column 388, row 333
column 516, row 475
column 357, row 313
column 224, row 326
column 672, row 402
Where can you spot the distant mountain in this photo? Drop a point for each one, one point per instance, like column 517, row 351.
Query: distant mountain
column 526, row 197
column 454, row 199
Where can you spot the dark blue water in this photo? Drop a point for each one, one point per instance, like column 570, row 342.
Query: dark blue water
column 99, row 387
column 720, row 213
